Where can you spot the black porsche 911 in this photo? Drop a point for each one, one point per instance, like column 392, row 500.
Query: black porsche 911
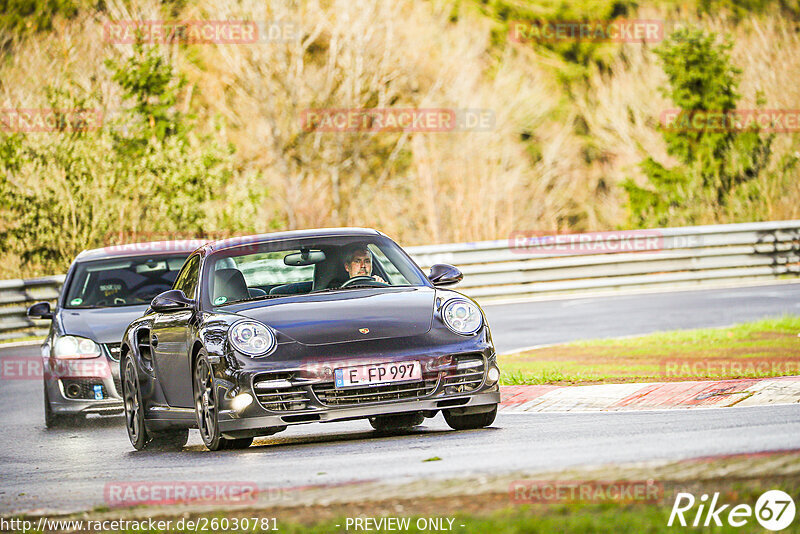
column 104, row 290
column 263, row 332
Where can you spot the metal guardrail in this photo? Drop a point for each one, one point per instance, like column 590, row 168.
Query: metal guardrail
column 599, row 262
column 525, row 266
column 16, row 296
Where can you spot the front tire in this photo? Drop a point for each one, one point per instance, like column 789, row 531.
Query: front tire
column 471, row 421
column 206, row 409
column 396, row 423
column 53, row 420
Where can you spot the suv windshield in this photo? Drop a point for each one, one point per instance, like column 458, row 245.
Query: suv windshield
column 122, row 281
column 308, row 265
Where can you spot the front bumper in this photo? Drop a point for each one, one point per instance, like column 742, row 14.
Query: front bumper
column 456, row 381
column 229, row 422
column 76, row 394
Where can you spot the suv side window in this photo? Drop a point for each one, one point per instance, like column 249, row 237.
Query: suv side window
column 187, row 279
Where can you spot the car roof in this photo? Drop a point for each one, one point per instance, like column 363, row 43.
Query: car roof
column 232, row 242
column 153, row 248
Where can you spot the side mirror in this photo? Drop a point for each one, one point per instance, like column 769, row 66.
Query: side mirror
column 171, row 300
column 40, row 310
column 443, row 274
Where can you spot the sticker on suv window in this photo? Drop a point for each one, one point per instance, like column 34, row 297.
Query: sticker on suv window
column 220, row 300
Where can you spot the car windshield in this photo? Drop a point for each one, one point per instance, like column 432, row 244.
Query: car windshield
column 306, row 266
column 122, row 281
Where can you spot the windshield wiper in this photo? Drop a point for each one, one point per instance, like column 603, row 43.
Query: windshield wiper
column 357, row 286
column 326, row 290
column 260, row 297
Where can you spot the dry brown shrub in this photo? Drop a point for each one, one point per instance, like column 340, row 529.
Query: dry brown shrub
column 553, row 160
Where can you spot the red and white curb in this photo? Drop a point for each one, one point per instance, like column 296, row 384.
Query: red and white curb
column 656, row 396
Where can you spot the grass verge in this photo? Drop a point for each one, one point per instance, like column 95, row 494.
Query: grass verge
column 758, row 349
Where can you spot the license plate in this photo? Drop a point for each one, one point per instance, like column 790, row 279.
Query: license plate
column 377, row 373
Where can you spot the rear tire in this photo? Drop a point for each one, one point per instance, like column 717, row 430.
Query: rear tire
column 471, row 421
column 141, row 438
column 396, row 423
column 132, row 402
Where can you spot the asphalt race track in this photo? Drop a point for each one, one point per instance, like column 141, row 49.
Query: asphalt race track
column 67, row 469
column 527, row 324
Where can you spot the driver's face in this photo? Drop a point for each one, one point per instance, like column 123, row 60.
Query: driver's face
column 359, row 265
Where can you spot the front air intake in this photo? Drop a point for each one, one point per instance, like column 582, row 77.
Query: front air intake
column 276, row 392
column 464, row 374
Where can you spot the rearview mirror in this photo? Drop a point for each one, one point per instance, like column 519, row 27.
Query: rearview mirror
column 443, row 274
column 304, row 257
column 171, row 300
column 40, row 310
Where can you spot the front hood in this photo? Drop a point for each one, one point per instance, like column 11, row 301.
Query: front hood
column 340, row 316
column 104, row 325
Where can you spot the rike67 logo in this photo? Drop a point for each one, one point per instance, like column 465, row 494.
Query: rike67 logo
column 774, row 510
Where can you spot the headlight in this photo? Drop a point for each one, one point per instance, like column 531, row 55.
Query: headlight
column 74, row 348
column 462, row 317
column 252, row 338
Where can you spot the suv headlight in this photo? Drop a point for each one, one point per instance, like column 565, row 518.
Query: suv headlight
column 462, row 317
column 252, row 338
column 75, row 348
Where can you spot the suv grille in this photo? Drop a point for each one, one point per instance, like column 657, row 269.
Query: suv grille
column 331, row 396
column 465, row 374
column 112, row 349
column 280, row 399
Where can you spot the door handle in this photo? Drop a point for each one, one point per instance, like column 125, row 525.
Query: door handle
column 154, row 342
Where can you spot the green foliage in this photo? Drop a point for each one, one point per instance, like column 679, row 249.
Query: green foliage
column 24, row 16
column 576, row 54
column 714, row 163
column 148, row 80
column 142, row 172
column 742, row 9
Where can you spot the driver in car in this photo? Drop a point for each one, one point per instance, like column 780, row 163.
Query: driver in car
column 358, row 262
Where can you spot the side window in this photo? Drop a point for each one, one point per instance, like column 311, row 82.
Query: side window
column 187, row 279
